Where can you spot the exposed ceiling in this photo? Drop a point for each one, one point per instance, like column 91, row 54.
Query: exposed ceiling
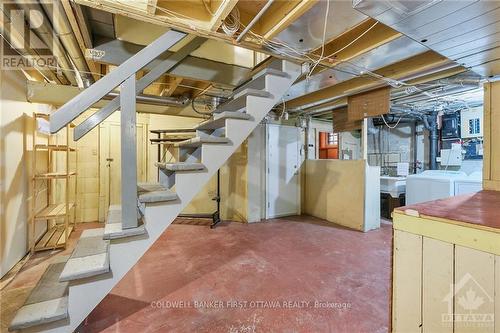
column 467, row 31
column 363, row 48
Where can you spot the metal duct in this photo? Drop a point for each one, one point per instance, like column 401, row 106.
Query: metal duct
column 63, row 29
column 155, row 100
column 46, row 34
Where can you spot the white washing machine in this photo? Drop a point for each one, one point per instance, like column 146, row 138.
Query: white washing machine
column 470, row 184
column 431, row 185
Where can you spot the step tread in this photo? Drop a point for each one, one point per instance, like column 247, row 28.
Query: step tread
column 89, row 258
column 154, row 192
column 47, row 302
column 180, row 166
column 240, row 101
column 113, row 228
column 219, row 120
column 198, row 141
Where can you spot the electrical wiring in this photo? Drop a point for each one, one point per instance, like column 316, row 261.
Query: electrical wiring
column 232, row 22
column 352, row 42
column 391, row 127
column 323, row 43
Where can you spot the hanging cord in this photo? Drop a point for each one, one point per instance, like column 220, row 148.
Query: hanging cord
column 386, row 124
column 323, row 43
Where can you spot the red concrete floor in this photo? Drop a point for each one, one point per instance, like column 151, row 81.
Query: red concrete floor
column 274, row 272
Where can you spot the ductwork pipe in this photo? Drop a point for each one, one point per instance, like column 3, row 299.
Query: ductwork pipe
column 63, row 29
column 155, row 100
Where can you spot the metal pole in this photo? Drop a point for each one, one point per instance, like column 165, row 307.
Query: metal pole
column 128, row 153
column 255, row 19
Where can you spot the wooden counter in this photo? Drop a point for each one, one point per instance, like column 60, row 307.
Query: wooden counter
column 446, row 265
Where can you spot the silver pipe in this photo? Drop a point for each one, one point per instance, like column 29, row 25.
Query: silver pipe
column 63, row 29
column 155, row 100
column 254, row 20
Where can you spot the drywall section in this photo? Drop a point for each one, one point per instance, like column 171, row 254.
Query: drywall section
column 339, row 191
column 16, row 128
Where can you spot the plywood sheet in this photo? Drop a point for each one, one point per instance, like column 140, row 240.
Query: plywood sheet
column 369, row 104
column 341, row 122
column 407, row 282
column 480, row 209
column 334, row 191
column 437, row 280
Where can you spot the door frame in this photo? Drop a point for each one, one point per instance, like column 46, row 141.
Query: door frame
column 104, row 153
column 267, row 170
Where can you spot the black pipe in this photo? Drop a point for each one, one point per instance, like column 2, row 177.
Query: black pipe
column 430, row 123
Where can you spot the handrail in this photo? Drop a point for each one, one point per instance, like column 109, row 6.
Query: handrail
column 80, row 103
column 88, row 124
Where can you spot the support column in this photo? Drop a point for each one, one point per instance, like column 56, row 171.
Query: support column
column 491, row 128
column 128, row 153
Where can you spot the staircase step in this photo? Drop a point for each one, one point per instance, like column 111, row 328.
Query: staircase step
column 198, row 141
column 219, row 120
column 47, row 302
column 180, row 166
column 114, row 229
column 154, row 192
column 89, row 258
column 240, row 101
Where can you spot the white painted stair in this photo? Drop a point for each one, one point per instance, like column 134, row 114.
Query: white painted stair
column 201, row 157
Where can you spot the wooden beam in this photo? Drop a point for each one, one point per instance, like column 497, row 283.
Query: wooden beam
column 189, row 27
column 151, row 9
column 397, row 71
column 172, row 84
column 281, row 15
column 225, row 7
column 360, row 39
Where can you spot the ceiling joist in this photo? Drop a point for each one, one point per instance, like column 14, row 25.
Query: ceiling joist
column 397, row 71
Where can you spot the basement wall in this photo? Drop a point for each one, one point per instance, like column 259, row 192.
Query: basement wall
column 16, row 128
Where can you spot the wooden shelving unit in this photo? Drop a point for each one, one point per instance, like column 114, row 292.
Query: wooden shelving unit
column 59, row 213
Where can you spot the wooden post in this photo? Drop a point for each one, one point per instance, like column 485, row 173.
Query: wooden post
column 491, row 153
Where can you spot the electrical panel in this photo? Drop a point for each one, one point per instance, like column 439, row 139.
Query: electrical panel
column 450, row 126
column 472, row 122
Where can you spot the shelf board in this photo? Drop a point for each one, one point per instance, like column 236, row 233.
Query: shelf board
column 54, row 147
column 53, row 238
column 54, row 175
column 53, row 211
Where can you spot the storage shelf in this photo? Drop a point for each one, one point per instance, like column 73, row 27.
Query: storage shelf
column 53, row 211
column 54, row 175
column 53, row 238
column 54, row 147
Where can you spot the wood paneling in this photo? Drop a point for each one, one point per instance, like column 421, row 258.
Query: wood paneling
column 369, row 104
column 407, row 283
